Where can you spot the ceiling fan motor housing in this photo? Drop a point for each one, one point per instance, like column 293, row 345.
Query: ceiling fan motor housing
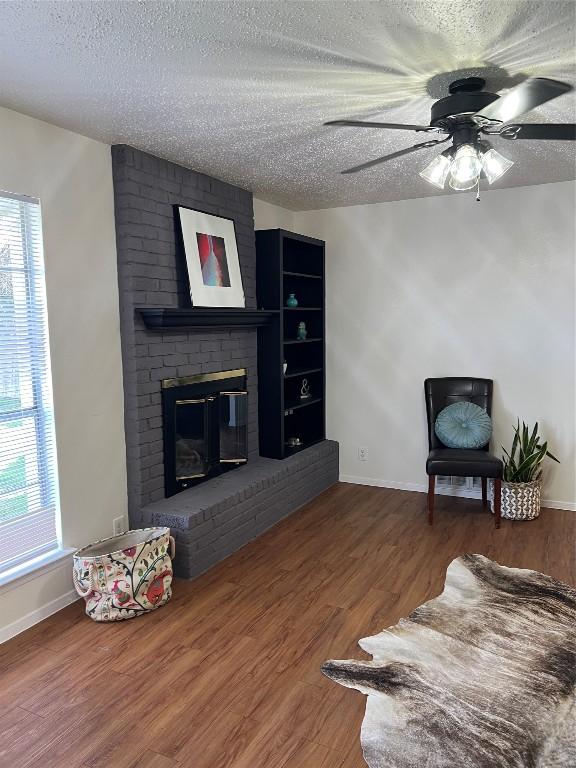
column 466, row 98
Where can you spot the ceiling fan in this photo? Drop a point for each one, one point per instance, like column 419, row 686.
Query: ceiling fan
column 466, row 117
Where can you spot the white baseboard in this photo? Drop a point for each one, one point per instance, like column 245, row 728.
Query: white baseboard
column 443, row 491
column 37, row 615
column 551, row 504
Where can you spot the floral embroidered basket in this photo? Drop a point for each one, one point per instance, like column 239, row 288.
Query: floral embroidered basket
column 124, row 576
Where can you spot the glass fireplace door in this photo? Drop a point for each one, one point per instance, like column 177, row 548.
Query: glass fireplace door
column 192, row 433
column 233, row 427
column 204, row 427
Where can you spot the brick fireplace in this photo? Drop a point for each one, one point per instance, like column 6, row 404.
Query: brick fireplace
column 151, row 273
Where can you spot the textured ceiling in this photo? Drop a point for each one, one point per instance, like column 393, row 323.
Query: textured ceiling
column 240, row 90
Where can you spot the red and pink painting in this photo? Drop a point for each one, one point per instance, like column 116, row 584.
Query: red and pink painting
column 213, row 261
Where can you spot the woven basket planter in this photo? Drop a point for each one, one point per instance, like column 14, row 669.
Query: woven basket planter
column 520, row 501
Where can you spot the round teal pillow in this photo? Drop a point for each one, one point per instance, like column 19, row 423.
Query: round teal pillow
column 463, row 425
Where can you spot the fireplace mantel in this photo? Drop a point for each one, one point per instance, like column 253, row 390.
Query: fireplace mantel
column 204, row 317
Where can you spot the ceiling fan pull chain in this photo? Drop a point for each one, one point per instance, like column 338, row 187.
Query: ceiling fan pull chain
column 478, row 190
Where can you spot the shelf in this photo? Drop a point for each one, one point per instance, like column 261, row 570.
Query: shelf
column 291, row 263
column 305, row 372
column 302, row 274
column 205, row 317
column 301, row 404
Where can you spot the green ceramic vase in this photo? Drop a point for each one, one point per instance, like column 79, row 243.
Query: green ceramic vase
column 291, row 301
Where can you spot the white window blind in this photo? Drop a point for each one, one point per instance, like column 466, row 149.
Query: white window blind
column 28, row 482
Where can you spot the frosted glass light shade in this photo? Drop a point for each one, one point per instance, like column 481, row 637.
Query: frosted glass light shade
column 495, row 165
column 437, row 171
column 465, row 168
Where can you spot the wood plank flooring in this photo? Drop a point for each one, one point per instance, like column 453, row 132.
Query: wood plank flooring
column 227, row 674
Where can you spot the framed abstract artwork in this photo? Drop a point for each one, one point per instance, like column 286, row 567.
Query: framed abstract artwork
column 211, row 259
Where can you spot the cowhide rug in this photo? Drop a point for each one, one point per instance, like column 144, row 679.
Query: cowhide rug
column 483, row 676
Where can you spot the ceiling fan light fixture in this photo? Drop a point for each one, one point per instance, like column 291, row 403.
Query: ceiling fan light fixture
column 466, row 168
column 494, row 165
column 464, row 117
column 437, row 170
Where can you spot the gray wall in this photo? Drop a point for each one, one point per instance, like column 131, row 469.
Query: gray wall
column 151, row 273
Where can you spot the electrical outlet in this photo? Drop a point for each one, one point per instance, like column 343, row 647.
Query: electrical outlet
column 119, row 525
column 362, row 453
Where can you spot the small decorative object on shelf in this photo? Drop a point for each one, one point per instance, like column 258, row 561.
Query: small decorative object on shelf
column 294, row 442
column 284, row 367
column 302, row 332
column 522, row 483
column 292, row 301
column 305, row 390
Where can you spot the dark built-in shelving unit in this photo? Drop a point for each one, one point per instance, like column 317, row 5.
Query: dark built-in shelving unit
column 290, row 263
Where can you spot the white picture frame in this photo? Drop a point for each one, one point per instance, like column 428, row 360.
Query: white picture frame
column 212, row 261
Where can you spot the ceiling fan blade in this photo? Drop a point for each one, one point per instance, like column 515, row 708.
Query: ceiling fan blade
column 394, row 126
column 536, row 131
column 400, row 153
column 526, row 96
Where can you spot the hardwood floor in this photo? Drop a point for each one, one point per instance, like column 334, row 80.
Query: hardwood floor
column 227, row 674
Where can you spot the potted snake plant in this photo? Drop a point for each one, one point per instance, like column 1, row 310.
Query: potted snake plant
column 522, row 479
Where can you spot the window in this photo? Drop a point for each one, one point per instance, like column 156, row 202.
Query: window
column 28, row 483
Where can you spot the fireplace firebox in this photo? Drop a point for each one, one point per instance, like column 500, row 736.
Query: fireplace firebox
column 205, row 426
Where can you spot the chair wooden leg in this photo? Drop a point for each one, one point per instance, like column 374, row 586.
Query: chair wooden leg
column 484, row 492
column 431, row 486
column 497, row 493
